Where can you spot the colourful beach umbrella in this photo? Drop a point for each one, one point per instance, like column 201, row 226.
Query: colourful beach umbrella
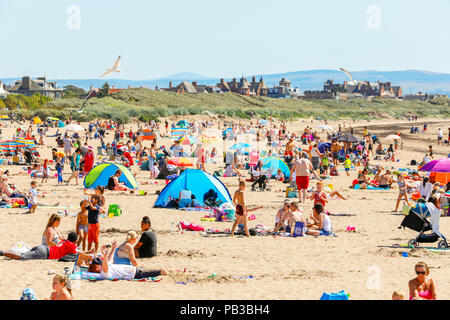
column 239, row 146
column 180, row 162
column 177, row 133
column 187, row 140
column 438, row 165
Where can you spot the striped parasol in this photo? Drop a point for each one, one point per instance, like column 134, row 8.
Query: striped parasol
column 12, row 145
column 176, row 133
column 187, row 140
column 180, row 162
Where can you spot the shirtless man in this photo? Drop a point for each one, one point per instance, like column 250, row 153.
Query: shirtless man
column 241, row 209
column 385, row 180
column 302, row 168
column 335, row 149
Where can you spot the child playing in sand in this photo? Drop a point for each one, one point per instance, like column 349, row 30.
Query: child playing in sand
column 60, row 291
column 59, row 169
column 82, row 225
column 241, row 209
column 45, row 171
column 94, row 225
column 347, row 164
column 32, row 193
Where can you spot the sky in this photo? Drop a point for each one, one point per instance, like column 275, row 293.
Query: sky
column 79, row 39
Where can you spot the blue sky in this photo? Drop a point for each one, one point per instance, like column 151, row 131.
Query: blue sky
column 221, row 38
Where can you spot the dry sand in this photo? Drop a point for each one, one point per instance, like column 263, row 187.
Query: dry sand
column 283, row 268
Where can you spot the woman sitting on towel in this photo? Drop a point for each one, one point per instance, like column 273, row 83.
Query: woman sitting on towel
column 125, row 252
column 422, row 287
column 51, row 235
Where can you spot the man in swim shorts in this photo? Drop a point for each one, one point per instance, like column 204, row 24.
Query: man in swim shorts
column 302, row 168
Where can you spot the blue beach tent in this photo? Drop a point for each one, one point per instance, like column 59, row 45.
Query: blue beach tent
column 274, row 164
column 196, row 181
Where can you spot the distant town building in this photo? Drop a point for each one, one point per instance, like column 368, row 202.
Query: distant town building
column 423, row 97
column 254, row 88
column 364, row 89
column 283, row 90
column 29, row 87
column 3, row 91
column 313, row 95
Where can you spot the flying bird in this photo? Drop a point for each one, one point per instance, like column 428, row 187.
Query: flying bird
column 115, row 68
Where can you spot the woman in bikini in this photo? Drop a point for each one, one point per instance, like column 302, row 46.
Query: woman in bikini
column 51, row 235
column 402, row 186
column 124, row 254
column 422, row 287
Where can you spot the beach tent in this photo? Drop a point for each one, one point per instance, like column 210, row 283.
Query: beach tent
column 145, row 165
column 37, row 120
column 263, row 122
column 196, row 181
column 148, row 134
column 183, row 124
column 274, row 164
column 100, row 174
column 61, row 124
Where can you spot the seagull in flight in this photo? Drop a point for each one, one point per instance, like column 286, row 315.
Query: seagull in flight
column 115, row 68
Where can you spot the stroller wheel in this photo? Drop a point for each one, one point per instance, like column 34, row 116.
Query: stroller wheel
column 412, row 243
column 442, row 244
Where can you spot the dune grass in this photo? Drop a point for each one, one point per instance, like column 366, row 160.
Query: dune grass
column 145, row 104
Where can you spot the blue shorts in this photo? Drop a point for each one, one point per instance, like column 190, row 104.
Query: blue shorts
column 347, row 169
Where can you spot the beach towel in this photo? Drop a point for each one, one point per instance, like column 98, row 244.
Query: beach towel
column 358, row 187
column 84, row 275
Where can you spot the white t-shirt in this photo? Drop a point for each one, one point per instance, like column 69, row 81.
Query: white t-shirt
column 326, row 223
column 67, row 143
column 119, row 271
column 33, row 193
column 440, row 133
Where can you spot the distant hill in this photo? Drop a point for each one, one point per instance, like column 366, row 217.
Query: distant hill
column 411, row 81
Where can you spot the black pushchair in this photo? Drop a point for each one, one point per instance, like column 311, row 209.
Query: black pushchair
column 416, row 220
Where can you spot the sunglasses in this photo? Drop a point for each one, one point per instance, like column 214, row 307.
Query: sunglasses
column 421, row 272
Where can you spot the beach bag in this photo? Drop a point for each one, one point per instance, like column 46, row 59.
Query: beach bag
column 406, row 209
column 298, row 229
column 20, row 248
column 115, row 209
column 335, row 296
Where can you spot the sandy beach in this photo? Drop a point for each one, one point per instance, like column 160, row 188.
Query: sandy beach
column 282, row 268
